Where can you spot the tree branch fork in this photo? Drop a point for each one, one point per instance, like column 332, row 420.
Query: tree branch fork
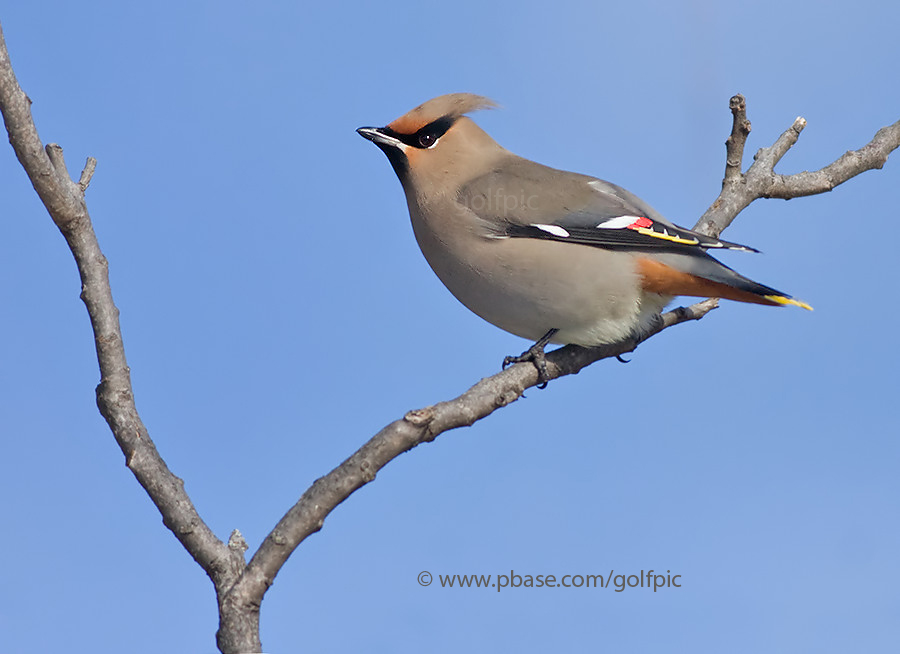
column 240, row 586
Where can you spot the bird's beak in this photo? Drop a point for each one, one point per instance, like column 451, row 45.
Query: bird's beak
column 378, row 137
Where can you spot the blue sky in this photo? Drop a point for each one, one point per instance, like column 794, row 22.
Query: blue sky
column 277, row 313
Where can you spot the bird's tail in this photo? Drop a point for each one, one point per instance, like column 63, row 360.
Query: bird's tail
column 704, row 276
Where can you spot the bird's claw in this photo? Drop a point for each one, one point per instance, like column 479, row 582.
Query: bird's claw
column 535, row 354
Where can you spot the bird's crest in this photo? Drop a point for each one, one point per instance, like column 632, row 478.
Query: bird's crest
column 452, row 106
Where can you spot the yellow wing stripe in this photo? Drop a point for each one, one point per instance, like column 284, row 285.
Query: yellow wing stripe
column 666, row 237
column 780, row 299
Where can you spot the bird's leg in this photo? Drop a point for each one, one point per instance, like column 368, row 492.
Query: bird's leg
column 535, row 354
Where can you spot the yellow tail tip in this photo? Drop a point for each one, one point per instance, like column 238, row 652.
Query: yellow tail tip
column 780, row 299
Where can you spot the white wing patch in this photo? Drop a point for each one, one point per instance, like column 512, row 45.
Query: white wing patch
column 619, row 222
column 556, row 230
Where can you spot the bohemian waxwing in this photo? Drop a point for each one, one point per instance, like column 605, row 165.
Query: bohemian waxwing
column 547, row 255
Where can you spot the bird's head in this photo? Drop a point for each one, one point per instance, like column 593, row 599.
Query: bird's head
column 435, row 143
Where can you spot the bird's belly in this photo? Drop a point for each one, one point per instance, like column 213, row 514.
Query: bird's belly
column 528, row 287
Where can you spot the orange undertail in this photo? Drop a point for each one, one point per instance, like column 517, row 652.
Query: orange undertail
column 659, row 278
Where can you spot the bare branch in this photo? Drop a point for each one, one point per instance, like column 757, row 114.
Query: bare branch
column 57, row 160
column 87, row 173
column 416, row 427
column 761, row 180
column 734, row 144
column 768, row 158
column 64, row 200
column 850, row 164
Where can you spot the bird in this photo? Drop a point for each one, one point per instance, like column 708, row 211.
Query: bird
column 548, row 255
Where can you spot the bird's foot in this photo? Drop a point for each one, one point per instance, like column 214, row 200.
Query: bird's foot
column 536, row 355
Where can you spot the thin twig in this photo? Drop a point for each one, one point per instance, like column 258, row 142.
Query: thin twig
column 767, row 158
column 734, row 144
column 87, row 173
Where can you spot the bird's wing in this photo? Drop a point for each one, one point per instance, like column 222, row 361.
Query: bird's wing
column 523, row 199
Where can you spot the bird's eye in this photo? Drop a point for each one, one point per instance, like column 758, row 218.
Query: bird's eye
column 427, row 139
